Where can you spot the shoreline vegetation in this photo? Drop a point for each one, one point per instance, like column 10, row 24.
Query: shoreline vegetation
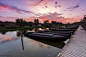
column 20, row 28
column 28, row 28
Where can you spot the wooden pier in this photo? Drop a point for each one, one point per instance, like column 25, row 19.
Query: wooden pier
column 76, row 47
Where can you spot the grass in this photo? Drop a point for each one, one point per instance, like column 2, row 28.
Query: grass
column 27, row 28
column 19, row 28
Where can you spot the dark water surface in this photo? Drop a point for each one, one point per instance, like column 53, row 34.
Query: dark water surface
column 12, row 44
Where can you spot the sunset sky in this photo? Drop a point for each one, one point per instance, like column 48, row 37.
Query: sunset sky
column 66, row 11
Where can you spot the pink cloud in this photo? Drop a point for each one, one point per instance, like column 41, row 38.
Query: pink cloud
column 12, row 8
column 41, row 1
column 3, row 10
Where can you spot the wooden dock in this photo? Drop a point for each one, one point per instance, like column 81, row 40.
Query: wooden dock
column 76, row 47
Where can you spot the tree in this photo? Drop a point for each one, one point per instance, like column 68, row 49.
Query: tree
column 30, row 24
column 53, row 22
column 20, row 22
column 36, row 22
column 2, row 25
column 46, row 23
column 1, row 22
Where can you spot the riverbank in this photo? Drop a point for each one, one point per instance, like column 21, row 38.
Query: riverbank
column 29, row 28
column 19, row 28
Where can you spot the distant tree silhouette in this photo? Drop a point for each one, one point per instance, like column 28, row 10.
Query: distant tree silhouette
column 20, row 22
column 53, row 22
column 83, row 21
column 46, row 23
column 36, row 22
column 1, row 22
column 30, row 24
column 2, row 25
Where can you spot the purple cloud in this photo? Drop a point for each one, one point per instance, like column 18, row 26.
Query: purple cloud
column 46, row 7
column 83, row 10
column 56, row 2
column 74, row 7
column 57, row 5
column 13, row 8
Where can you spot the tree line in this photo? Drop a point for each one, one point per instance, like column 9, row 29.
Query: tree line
column 20, row 22
column 83, row 21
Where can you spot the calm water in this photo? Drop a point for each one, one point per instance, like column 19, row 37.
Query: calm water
column 13, row 45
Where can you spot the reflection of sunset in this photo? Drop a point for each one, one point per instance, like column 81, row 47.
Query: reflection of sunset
column 40, row 29
column 43, row 29
column 41, row 44
column 47, row 29
column 5, row 39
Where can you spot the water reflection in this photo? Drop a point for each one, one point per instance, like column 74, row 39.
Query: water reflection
column 4, row 32
column 41, row 45
column 58, row 44
column 16, row 44
column 43, row 29
column 5, row 39
column 22, row 40
column 36, row 30
column 18, row 34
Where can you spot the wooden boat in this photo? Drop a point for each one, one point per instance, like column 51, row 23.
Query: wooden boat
column 61, row 29
column 61, row 32
column 71, row 28
column 46, row 36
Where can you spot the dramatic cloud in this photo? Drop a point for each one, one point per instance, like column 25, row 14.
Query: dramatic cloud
column 4, row 7
column 74, row 7
column 41, row 1
column 51, row 17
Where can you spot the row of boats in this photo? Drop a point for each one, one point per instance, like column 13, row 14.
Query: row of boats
column 53, row 34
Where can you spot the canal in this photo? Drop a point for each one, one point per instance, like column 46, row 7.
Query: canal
column 12, row 44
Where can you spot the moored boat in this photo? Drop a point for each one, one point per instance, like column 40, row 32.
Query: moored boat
column 46, row 36
column 70, row 28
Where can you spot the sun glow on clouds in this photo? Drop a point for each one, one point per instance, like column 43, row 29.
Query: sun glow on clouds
column 54, row 10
